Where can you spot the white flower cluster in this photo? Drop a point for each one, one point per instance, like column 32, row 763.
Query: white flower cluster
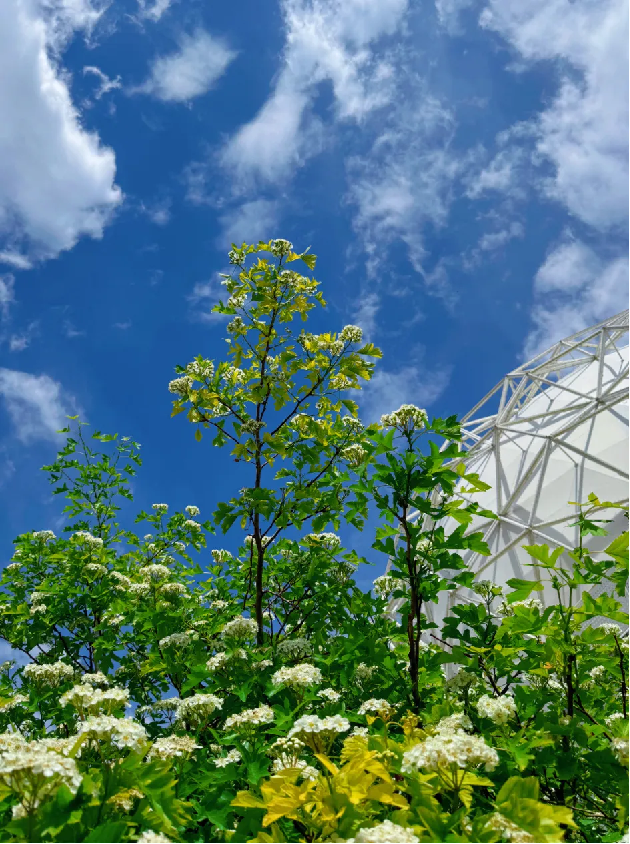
column 122, row 581
column 381, row 707
column 297, row 677
column 285, row 762
column 384, row 833
column 44, row 535
column 219, row 605
column 364, row 672
column 326, row 540
column 250, row 717
column 508, row 829
column 168, row 747
column 150, row 837
column 234, row 375
column 16, row 700
column 13, row 567
column 461, row 680
column 279, row 247
column 217, row 661
column 529, row 604
column 237, row 300
column 224, row 761
column 236, row 326
column 173, row 590
column 456, row 721
column 497, row 709
column 264, row 663
column 200, row 369
column 616, row 716
column 450, row 746
column 181, row 386
column 252, row 426
column 314, row 724
column 386, row 584
column 84, row 697
column 293, row 648
column 120, row 732
column 354, row 454
column 160, row 508
column 221, row 556
column 33, row 771
column 240, row 628
column 192, row 524
column 48, row 674
column 355, row 426
column 329, row 694
column 597, row 672
column 175, row 640
column 96, row 569
column 96, row 679
column 351, row 334
column 407, row 417
column 608, row 628
column 87, row 538
column 155, row 571
column 197, row 708
column 249, row 541
column 620, row 749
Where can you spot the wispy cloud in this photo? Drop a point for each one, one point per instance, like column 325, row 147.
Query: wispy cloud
column 326, row 41
column 155, row 10
column 105, row 83
column 36, row 404
column 250, row 222
column 190, row 71
column 410, row 384
column 573, row 289
column 7, row 295
column 205, row 295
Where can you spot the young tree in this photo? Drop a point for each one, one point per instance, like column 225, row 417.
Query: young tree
column 277, row 400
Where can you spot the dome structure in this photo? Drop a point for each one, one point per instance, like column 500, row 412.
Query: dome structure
column 552, row 431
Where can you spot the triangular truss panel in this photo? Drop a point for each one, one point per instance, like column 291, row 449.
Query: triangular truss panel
column 552, row 431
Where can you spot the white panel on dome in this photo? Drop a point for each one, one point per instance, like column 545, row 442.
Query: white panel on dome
column 559, row 431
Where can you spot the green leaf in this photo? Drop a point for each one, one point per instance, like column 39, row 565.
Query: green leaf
column 107, row 832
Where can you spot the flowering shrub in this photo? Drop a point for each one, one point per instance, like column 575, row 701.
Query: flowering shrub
column 257, row 694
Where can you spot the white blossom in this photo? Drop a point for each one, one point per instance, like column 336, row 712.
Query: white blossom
column 155, row 571
column 160, row 508
column 351, row 334
column 150, row 837
column 295, row 647
column 120, row 732
column 192, row 510
column 43, row 535
column 224, row 761
column 299, row 676
column 260, row 715
column 379, row 706
column 181, row 386
column 197, row 708
column 407, row 417
column 326, row 540
column 240, row 628
column 450, row 748
column 175, row 640
column 497, row 709
column 48, row 674
column 329, row 694
column 508, row 829
column 168, row 747
column 384, row 833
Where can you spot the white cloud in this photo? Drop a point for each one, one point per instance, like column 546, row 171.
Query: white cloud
column 405, row 183
column 573, row 289
column 56, row 179
column 158, row 212
column 35, row 403
column 584, row 132
column 204, row 297
column 410, row 384
column 106, row 84
column 495, row 240
column 14, row 259
column 154, row 11
column 365, row 315
column 19, row 342
column 251, row 222
column 189, row 72
column 7, row 296
column 326, row 40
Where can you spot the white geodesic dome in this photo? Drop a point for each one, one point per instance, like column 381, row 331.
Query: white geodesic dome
column 552, row 431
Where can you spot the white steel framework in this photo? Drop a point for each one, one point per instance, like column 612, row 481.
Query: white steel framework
column 552, row 431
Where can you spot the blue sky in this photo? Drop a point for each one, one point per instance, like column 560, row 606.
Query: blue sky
column 459, row 168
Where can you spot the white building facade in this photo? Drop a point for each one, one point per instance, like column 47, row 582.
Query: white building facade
column 552, row 431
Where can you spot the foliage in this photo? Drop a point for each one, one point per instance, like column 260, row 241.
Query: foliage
column 270, row 699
